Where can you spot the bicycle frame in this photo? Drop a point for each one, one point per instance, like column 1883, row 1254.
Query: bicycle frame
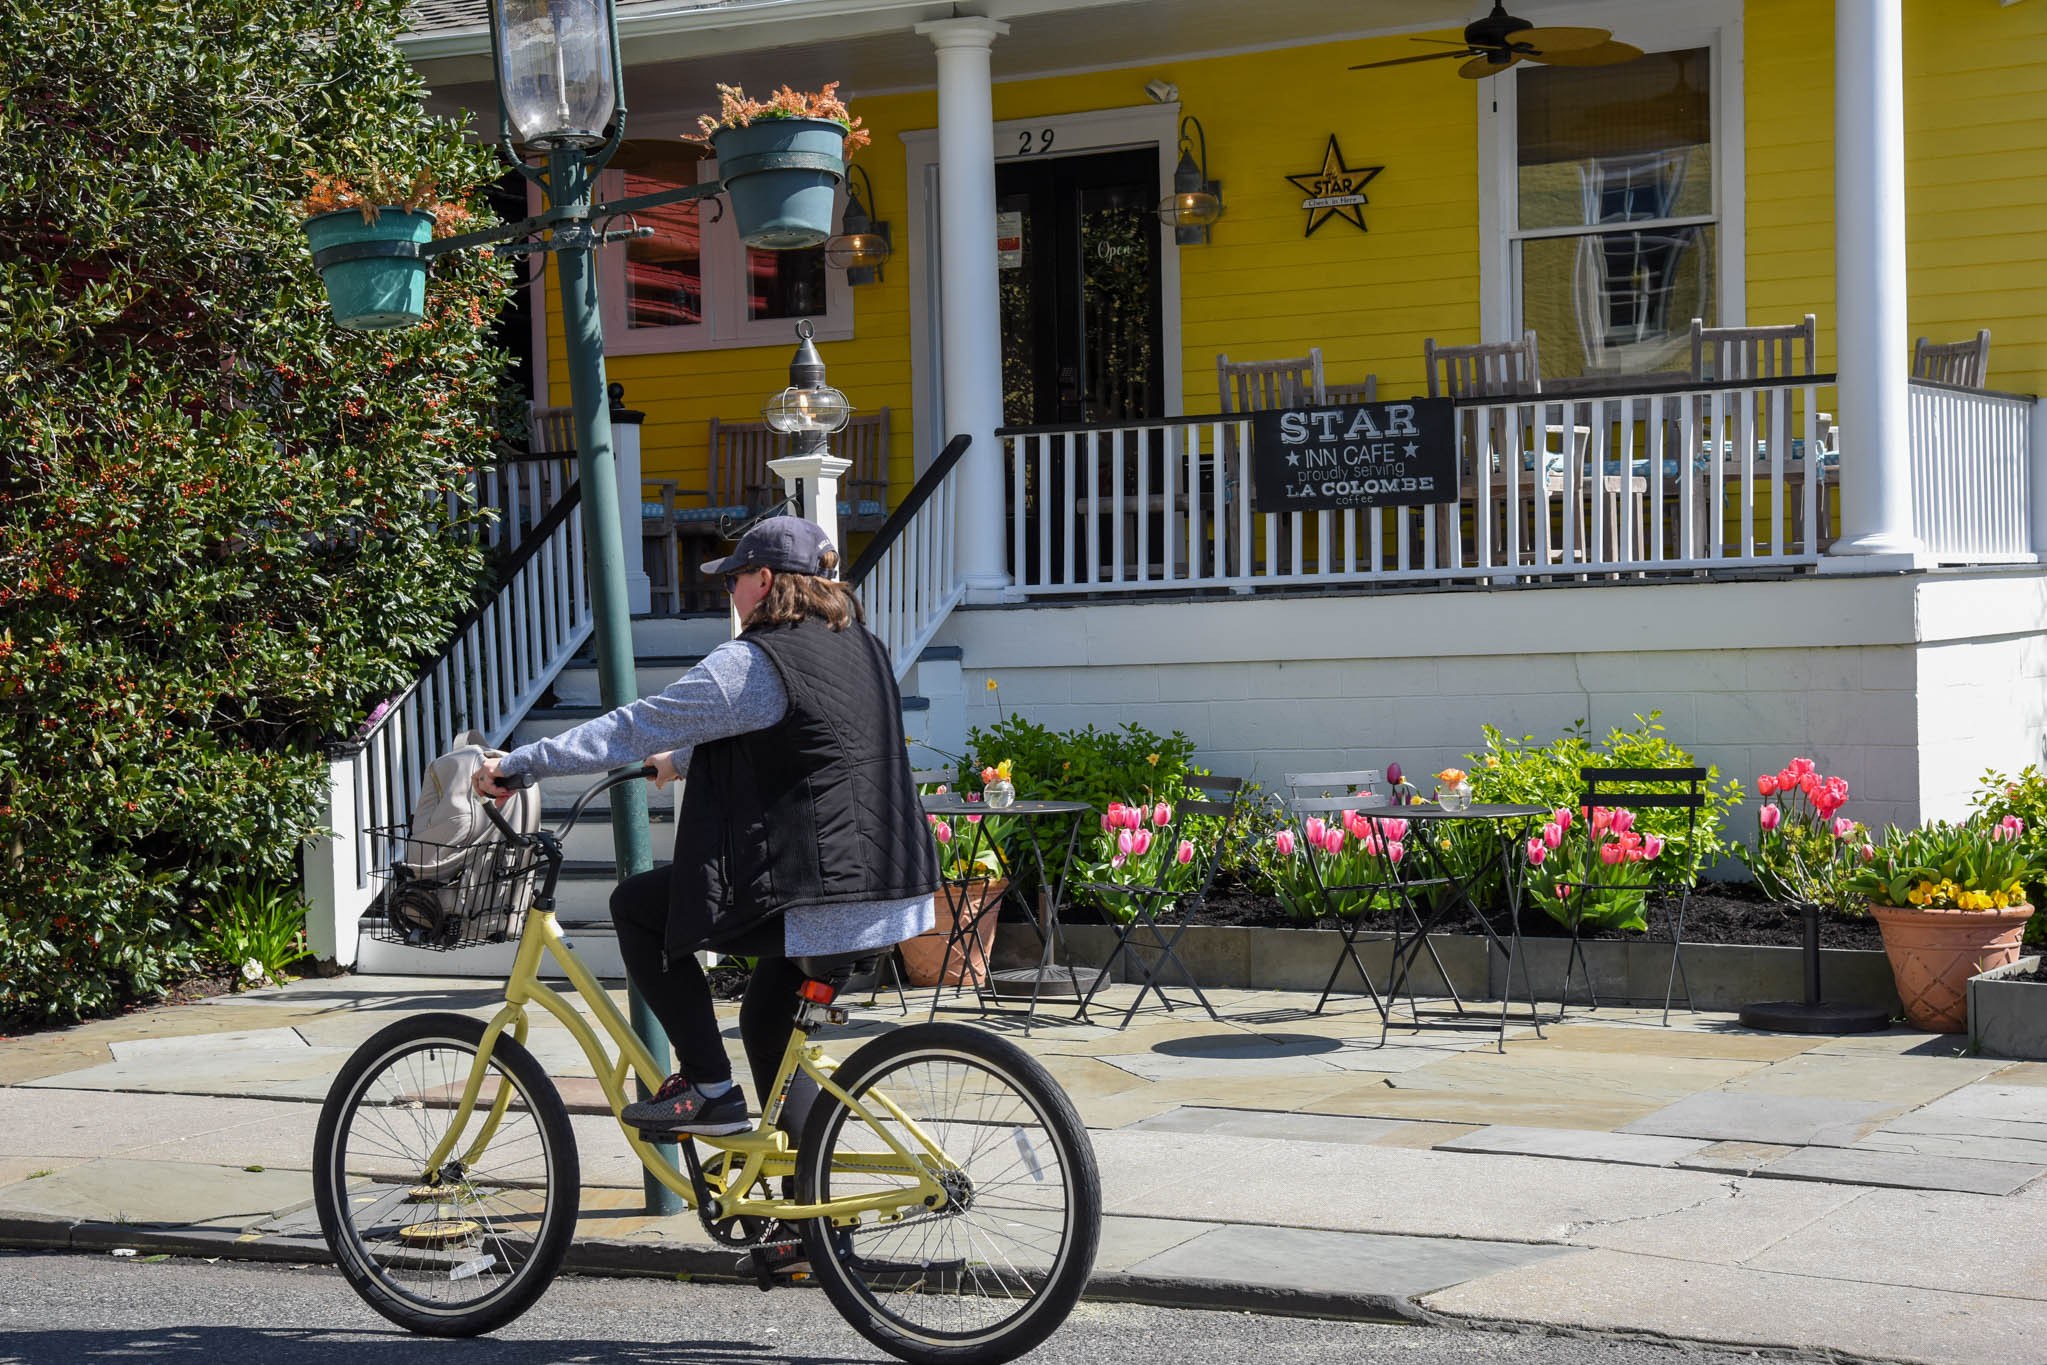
column 761, row 1154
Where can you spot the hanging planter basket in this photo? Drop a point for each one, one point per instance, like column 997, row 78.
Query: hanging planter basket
column 374, row 274
column 782, row 175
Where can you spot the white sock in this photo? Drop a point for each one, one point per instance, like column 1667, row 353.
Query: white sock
column 713, row 1089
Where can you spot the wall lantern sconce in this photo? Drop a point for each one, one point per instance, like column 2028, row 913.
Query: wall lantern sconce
column 809, row 409
column 1196, row 201
column 862, row 244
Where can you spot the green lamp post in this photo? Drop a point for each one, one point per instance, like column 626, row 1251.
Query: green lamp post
column 560, row 90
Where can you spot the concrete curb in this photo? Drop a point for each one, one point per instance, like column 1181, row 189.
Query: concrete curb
column 596, row 1256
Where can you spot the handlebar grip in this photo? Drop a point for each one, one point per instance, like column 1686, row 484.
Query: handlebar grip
column 516, row 781
column 490, row 808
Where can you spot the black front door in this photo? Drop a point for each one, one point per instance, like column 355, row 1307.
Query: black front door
column 1079, row 282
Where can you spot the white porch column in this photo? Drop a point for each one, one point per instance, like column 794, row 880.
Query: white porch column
column 625, row 458
column 1870, row 283
column 334, row 900
column 969, row 308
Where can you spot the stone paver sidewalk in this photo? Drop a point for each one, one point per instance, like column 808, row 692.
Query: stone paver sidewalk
column 1876, row 1196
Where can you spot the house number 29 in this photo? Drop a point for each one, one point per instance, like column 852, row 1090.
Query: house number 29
column 1028, row 142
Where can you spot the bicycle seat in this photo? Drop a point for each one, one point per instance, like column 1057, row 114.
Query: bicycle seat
column 837, row 968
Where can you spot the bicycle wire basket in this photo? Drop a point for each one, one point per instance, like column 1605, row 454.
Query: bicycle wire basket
column 449, row 896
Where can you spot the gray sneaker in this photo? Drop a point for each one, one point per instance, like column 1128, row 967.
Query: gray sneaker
column 679, row 1107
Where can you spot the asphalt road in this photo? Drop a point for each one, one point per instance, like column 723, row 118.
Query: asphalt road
column 60, row 1310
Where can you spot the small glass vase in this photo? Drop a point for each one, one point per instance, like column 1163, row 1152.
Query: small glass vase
column 999, row 794
column 1454, row 798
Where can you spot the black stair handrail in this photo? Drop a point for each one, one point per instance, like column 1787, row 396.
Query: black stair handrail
column 920, row 493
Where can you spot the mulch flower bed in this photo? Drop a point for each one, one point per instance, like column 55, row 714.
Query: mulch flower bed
column 1717, row 912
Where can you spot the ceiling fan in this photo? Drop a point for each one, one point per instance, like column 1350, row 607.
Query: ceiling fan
column 1499, row 41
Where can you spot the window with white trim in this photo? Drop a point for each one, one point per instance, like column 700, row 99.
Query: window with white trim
column 1614, row 222
column 693, row 285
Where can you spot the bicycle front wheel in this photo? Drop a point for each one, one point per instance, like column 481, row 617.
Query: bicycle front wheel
column 997, row 1269
column 464, row 1245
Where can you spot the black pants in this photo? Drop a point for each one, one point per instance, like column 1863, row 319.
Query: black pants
column 680, row 997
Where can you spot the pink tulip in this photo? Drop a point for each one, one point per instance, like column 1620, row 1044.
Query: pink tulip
column 1652, row 846
column 1125, row 844
column 1811, row 785
column 1118, row 860
column 1140, row 843
column 1161, row 814
column 1395, row 850
column 1563, row 888
column 941, row 831
column 1602, row 820
column 1393, row 773
column 1394, row 829
column 2012, row 826
column 1185, row 852
column 1106, row 826
column 1315, row 828
column 1769, row 817
column 1537, row 852
column 1623, row 821
column 1553, row 834
column 1332, row 840
column 1283, row 843
column 1802, row 767
column 1843, row 827
column 1766, row 785
column 1561, row 817
column 1611, row 853
column 941, row 789
column 973, row 819
column 1869, row 853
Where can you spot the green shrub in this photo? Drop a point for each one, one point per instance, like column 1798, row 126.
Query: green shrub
column 1522, row 772
column 257, row 927
column 223, row 522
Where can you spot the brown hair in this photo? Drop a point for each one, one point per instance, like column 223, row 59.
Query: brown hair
column 799, row 596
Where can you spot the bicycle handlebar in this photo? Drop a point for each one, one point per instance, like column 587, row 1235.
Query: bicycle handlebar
column 522, row 780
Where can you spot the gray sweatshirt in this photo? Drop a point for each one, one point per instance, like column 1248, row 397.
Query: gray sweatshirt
column 734, row 691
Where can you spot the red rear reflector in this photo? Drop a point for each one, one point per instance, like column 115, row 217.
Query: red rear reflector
column 817, row 992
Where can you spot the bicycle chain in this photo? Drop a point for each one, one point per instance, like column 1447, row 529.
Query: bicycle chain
column 767, row 1243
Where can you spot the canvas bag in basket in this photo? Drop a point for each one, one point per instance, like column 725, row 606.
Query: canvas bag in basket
column 449, row 875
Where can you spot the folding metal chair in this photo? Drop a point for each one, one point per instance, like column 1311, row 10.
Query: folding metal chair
column 1308, row 797
column 1617, row 789
column 1191, row 821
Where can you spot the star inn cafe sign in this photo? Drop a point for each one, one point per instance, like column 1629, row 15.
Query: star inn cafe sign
column 1335, row 191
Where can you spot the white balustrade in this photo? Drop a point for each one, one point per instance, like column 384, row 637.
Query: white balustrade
column 908, row 592
column 1719, row 476
column 498, row 663
column 1971, row 490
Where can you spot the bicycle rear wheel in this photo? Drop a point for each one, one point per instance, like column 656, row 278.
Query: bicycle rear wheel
column 993, row 1273
column 468, row 1245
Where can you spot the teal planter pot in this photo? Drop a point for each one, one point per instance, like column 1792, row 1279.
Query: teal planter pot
column 782, row 176
column 374, row 274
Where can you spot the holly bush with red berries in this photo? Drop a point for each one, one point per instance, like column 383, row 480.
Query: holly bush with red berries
column 225, row 524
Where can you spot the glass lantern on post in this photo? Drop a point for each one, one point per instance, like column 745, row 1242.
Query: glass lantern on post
column 808, row 410
column 557, row 70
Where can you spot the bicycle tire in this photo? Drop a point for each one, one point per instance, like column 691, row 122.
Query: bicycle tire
column 392, row 1233
column 1020, row 1123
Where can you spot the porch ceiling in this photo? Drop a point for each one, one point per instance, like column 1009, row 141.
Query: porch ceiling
column 678, row 51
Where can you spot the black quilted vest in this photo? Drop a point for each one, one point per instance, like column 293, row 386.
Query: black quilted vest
column 818, row 809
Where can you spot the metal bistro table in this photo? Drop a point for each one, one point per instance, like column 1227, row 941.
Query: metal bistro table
column 1507, row 839
column 1048, row 977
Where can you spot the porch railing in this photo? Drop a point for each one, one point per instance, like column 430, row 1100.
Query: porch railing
column 499, row 659
column 907, row 578
column 1971, row 491
column 1706, row 476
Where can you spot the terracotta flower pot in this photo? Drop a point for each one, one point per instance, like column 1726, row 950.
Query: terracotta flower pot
column 925, row 955
column 1934, row 953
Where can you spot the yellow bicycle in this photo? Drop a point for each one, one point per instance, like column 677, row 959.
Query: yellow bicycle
column 946, row 1189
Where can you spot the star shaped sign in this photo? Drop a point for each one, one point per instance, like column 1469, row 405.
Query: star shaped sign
column 1335, row 191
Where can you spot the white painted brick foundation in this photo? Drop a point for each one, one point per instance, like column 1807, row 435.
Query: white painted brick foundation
column 1909, row 685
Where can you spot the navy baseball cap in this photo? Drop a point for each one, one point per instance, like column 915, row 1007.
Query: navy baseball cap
column 785, row 544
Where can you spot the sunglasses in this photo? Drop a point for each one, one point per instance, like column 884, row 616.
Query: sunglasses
column 732, row 579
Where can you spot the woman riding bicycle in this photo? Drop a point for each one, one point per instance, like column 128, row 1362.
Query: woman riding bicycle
column 800, row 833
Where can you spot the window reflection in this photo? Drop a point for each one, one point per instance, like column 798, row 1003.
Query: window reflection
column 1620, row 152
column 664, row 273
column 785, row 284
